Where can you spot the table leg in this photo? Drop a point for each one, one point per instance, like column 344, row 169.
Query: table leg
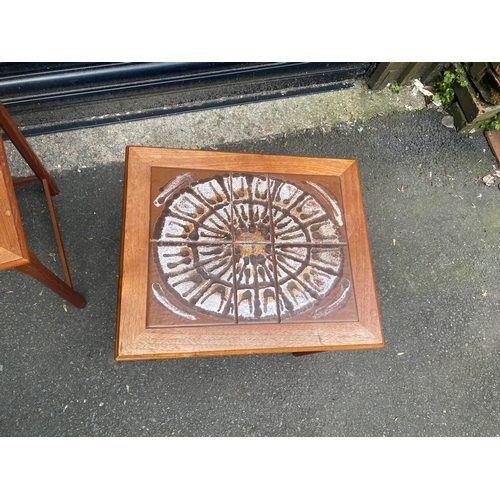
column 38, row 271
column 19, row 141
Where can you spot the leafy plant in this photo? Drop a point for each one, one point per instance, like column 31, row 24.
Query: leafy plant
column 444, row 87
column 395, row 88
column 492, row 123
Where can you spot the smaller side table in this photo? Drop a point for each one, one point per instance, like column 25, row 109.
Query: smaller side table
column 14, row 251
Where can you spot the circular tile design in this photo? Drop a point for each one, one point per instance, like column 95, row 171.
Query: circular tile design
column 246, row 246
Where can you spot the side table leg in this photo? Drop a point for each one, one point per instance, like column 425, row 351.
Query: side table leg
column 38, row 271
column 22, row 145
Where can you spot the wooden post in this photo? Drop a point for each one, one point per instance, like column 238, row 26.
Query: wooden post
column 38, row 271
column 19, row 141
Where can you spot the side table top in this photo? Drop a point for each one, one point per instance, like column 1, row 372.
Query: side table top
column 237, row 253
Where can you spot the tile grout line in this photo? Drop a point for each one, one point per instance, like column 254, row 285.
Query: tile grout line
column 233, row 257
column 273, row 253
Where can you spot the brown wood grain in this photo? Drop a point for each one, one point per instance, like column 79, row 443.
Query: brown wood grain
column 134, row 253
column 45, row 276
column 135, row 341
column 22, row 145
column 361, row 263
column 249, row 162
column 13, row 248
column 57, row 233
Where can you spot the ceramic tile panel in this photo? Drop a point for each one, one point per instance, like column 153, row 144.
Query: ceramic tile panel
column 244, row 248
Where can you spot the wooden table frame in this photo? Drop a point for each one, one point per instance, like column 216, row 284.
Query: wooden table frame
column 14, row 252
column 135, row 341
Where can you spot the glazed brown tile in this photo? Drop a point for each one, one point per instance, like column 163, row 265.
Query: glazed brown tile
column 307, row 209
column 190, row 285
column 190, row 206
column 315, row 284
column 255, row 284
column 250, row 208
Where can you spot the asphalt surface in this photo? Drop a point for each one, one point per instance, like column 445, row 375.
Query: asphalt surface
column 434, row 232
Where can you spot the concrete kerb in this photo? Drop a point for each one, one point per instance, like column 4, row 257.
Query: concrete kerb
column 204, row 129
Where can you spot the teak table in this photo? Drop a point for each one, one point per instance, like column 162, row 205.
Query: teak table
column 236, row 253
column 14, row 251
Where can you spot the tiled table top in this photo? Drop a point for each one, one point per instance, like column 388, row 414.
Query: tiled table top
column 242, row 246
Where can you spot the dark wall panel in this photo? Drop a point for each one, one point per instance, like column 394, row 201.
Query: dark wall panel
column 50, row 97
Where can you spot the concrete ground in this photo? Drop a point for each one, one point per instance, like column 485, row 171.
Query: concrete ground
column 434, row 231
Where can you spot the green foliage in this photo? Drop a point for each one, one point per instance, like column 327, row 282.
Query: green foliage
column 492, row 123
column 395, row 88
column 444, row 87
